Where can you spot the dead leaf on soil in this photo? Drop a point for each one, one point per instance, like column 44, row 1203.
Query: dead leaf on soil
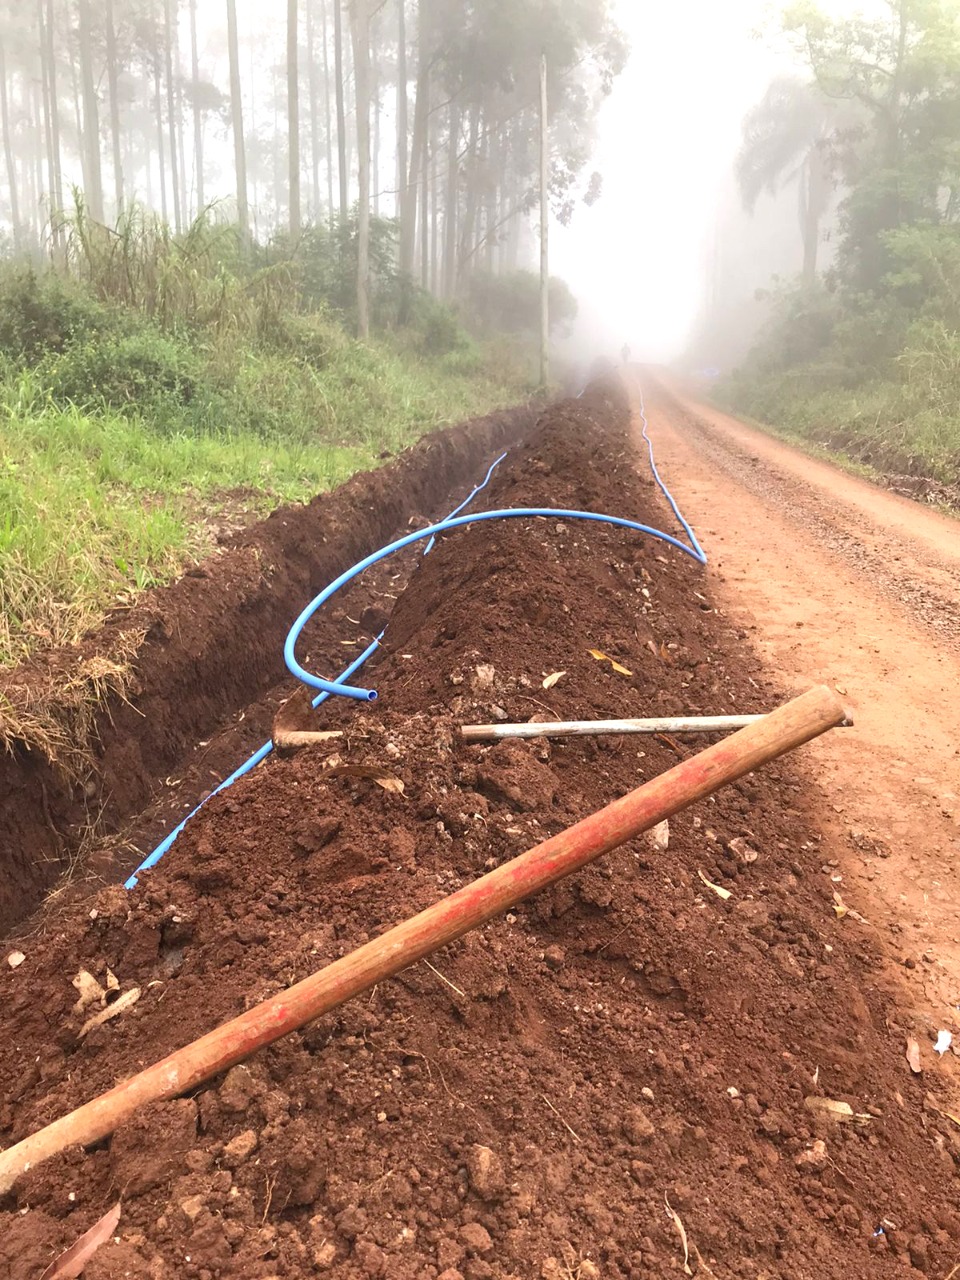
column 372, row 772
column 89, row 989
column 718, row 889
column 72, row 1261
column 120, row 1005
column 832, row 1109
column 841, row 908
column 913, row 1055
column 553, row 679
column 678, row 1223
column 605, row 657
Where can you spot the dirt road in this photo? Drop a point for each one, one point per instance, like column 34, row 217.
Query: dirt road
column 833, row 578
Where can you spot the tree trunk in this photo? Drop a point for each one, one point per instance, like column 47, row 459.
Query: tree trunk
column 314, row 91
column 113, row 79
column 421, row 120
column 544, row 229
column 8, row 154
column 91, row 116
column 401, row 181
column 431, row 193
column 452, row 204
column 236, row 111
column 360, row 15
column 56, row 172
column 293, row 118
column 181, row 147
column 326, row 106
column 197, row 114
column 474, row 170
column 168, row 38
column 341, row 112
column 161, row 148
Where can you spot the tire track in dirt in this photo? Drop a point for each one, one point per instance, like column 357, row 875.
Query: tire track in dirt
column 833, row 579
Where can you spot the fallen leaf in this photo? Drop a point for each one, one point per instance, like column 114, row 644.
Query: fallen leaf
column 913, row 1056
column 740, row 849
column 944, row 1041
column 120, row 1005
column 949, row 1116
column 841, row 908
column 717, row 888
column 89, row 989
column 553, row 678
column 659, row 836
column 15, row 959
column 832, row 1109
column 605, row 657
column 372, row 772
column 678, row 1223
column 72, row 1261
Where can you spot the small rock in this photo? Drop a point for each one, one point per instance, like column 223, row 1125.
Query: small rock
column 476, row 1238
column 499, row 714
column 741, row 850
column 325, row 1256
column 815, row 1160
column 193, row 1207
column 646, row 1093
column 240, row 1148
column 371, row 1258
column 484, row 676
column 588, row 1270
column 659, row 836
column 555, row 958
column 485, row 1170
column 637, row 1127
column 15, row 959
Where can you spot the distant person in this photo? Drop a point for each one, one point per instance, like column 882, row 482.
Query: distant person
column 625, row 352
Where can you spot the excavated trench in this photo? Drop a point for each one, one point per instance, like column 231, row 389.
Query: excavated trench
column 196, row 653
column 555, row 1092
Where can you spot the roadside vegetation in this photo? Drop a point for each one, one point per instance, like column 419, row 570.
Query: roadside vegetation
column 864, row 357
column 156, row 389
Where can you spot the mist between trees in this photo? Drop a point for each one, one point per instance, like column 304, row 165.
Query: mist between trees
column 860, row 353
column 400, row 134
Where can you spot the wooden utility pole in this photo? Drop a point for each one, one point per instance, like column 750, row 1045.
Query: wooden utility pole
column 544, row 230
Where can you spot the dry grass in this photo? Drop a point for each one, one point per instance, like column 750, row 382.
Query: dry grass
column 57, row 719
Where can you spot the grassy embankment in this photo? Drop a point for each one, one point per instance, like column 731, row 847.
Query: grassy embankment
column 152, row 390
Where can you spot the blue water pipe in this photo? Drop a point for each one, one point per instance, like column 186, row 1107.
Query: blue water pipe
column 263, row 751
column 508, row 513
column 337, row 686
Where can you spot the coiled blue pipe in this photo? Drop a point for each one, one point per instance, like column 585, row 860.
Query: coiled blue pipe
column 337, row 686
column 509, row 513
column 262, row 752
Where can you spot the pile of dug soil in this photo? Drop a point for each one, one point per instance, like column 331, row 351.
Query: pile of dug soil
column 625, row 1072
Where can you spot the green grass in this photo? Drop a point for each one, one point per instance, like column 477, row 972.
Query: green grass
column 99, row 500
column 881, row 428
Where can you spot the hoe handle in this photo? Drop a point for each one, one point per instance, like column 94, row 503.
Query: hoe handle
column 791, row 725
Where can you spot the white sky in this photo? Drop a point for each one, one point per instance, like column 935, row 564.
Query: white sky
column 668, row 134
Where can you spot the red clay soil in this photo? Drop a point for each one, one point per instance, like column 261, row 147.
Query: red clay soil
column 531, row 1102
column 204, row 648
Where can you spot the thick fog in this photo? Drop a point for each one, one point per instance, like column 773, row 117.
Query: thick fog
column 666, row 241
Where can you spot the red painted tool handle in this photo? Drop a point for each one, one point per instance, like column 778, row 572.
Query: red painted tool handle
column 791, row 725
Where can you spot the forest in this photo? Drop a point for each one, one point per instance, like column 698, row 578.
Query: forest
column 862, row 352
column 248, row 250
